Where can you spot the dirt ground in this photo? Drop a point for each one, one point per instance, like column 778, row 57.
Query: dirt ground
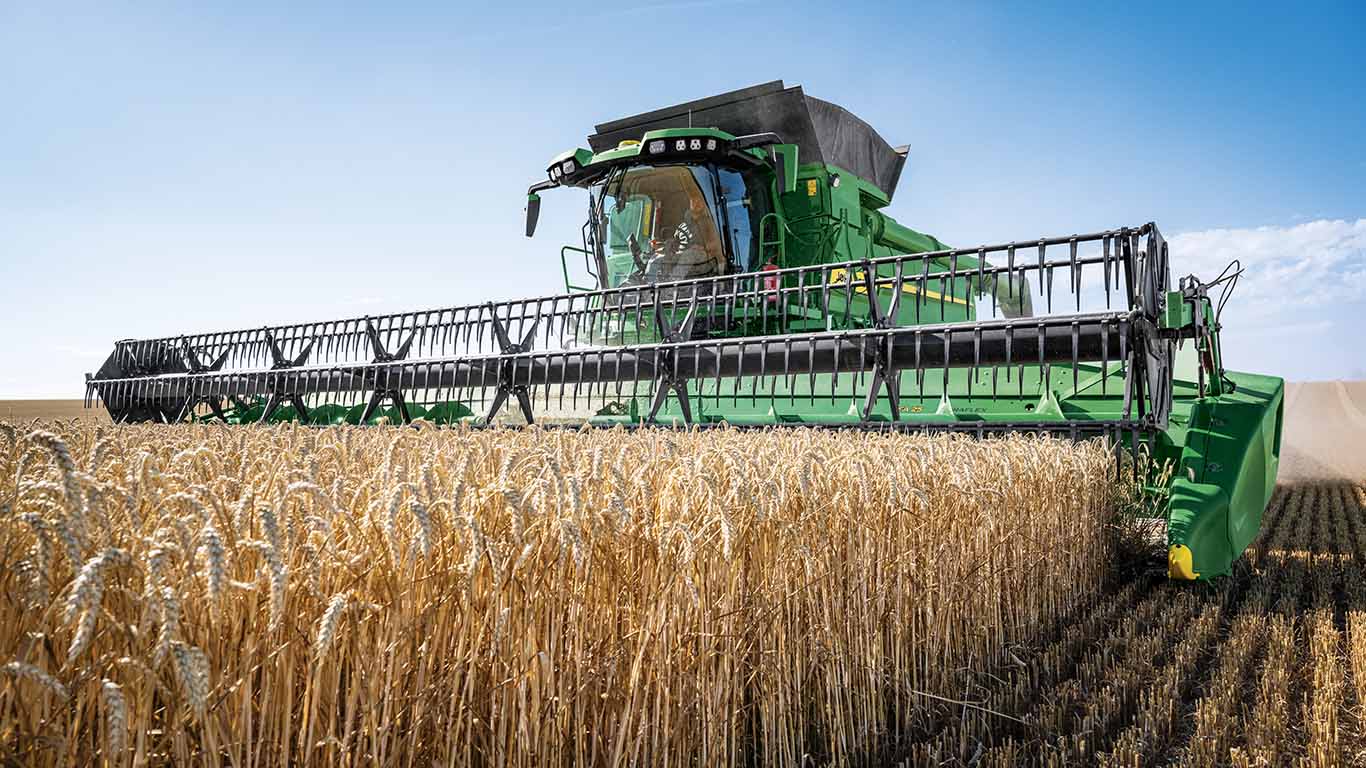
column 17, row 411
column 1325, row 431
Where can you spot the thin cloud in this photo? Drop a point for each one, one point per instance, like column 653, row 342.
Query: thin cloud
column 1296, row 310
column 1287, row 269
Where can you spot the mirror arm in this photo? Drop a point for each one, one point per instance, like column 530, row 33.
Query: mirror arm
column 533, row 204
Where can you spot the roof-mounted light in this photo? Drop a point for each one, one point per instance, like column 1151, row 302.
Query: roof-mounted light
column 704, row 142
column 568, row 164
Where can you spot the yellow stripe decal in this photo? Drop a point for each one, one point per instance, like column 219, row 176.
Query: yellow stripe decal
column 837, row 277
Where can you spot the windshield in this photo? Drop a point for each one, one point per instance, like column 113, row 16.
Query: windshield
column 655, row 224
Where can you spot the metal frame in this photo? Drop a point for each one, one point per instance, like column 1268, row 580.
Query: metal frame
column 453, row 360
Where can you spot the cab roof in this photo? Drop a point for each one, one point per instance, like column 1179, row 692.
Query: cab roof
column 824, row 132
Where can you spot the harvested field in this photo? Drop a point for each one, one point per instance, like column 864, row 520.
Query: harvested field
column 195, row 594
column 1267, row 667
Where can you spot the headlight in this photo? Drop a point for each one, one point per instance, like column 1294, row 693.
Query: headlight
column 711, row 145
column 695, row 145
column 680, row 145
column 656, row 146
column 567, row 166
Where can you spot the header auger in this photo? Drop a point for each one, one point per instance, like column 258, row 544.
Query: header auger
column 743, row 273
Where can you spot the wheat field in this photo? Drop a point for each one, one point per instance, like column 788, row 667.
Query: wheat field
column 366, row 596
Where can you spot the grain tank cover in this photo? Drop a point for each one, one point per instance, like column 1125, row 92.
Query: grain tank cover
column 825, row 132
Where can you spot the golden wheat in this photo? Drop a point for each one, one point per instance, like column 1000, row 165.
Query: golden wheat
column 285, row 595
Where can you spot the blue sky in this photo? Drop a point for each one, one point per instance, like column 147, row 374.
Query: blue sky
column 176, row 168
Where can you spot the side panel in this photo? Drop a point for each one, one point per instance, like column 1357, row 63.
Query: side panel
column 1225, row 478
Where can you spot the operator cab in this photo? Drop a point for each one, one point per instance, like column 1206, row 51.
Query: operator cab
column 657, row 223
column 677, row 204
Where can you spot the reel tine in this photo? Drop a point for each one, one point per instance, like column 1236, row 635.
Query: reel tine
column 442, row 333
column 996, row 288
column 1104, row 355
column 1010, row 343
column 1124, row 345
column 1074, row 272
column 976, row 358
column 946, row 287
column 1076, row 341
column 1128, row 369
column 421, row 329
column 922, row 287
column 788, row 372
column 1043, row 246
column 1105, row 262
column 981, row 277
column 479, row 324
column 1010, row 270
column 763, row 369
column 326, row 339
column 578, row 380
column 450, row 339
column 948, row 339
column 838, row 348
column 602, row 389
column 802, row 292
column 1044, row 370
column 739, row 373
column 761, row 299
column 893, row 315
column 716, row 385
column 863, row 357
column 335, row 336
column 811, row 370
column 730, row 301
column 919, row 366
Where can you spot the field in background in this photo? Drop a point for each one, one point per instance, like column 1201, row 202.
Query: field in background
column 1325, row 431
column 287, row 595
column 18, row 411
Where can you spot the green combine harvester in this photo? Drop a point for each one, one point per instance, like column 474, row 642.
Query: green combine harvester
column 736, row 268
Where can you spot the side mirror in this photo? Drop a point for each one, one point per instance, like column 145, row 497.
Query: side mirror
column 533, row 212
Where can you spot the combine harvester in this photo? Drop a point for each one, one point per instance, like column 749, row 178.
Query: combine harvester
column 738, row 269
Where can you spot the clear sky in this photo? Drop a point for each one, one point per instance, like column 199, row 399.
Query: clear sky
column 170, row 168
